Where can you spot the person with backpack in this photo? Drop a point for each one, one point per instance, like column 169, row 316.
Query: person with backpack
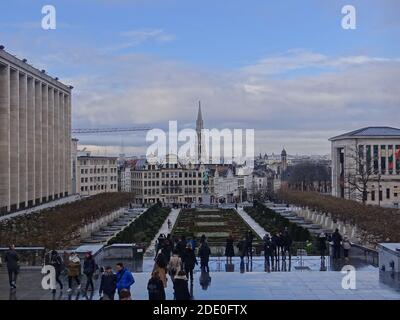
column 89, row 268
column 174, row 265
column 155, row 287
column 57, row 262
column 12, row 260
column 108, row 284
column 181, row 289
column 74, row 271
column 124, row 278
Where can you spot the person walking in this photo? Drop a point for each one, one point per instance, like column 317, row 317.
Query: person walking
column 89, row 268
column 229, row 250
column 57, row 262
column 125, row 278
column 167, row 249
column 322, row 244
column 155, row 287
column 74, row 271
column 336, row 242
column 204, row 254
column 174, row 265
column 160, row 266
column 346, row 244
column 287, row 244
column 108, row 284
column 181, row 246
column 12, row 260
column 181, row 289
column 169, row 224
column 190, row 261
column 275, row 246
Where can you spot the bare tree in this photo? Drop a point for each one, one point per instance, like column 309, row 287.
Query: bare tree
column 360, row 173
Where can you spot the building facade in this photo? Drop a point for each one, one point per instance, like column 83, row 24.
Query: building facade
column 371, row 157
column 35, row 136
column 96, row 175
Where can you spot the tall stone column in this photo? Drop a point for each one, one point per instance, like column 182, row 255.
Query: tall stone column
column 68, row 173
column 23, row 147
column 61, row 145
column 31, row 139
column 14, row 139
column 38, row 142
column 45, row 120
column 50, row 138
column 56, row 144
column 4, row 138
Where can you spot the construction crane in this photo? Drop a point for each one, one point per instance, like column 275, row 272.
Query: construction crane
column 108, row 130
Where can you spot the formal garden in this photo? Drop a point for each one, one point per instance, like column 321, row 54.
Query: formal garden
column 376, row 224
column 216, row 224
column 58, row 227
column 144, row 228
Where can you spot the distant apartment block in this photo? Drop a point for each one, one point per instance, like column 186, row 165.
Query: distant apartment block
column 35, row 136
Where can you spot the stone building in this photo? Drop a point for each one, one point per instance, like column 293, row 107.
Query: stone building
column 96, row 174
column 35, row 136
column 370, row 155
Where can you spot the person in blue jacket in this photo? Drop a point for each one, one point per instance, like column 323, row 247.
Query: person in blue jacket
column 124, row 278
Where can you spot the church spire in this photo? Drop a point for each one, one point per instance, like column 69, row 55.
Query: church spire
column 199, row 121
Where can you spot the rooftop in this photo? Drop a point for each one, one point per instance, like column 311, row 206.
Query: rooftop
column 370, row 132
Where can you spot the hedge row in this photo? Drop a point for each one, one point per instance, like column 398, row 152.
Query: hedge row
column 144, row 228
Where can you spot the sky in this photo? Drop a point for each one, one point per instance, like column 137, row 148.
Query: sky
column 286, row 69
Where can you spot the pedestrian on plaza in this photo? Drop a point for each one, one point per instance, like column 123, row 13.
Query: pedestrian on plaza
column 160, row 266
column 57, row 262
column 181, row 246
column 167, row 249
column 203, row 238
column 229, row 250
column 108, row 284
column 89, row 268
column 174, row 265
column 275, row 246
column 12, row 261
column 287, row 244
column 204, row 254
column 346, row 244
column 249, row 245
column 194, row 244
column 74, row 271
column 322, row 244
column 268, row 251
column 190, row 261
column 181, row 289
column 169, row 224
column 125, row 279
column 281, row 244
column 242, row 248
column 155, row 287
column 336, row 243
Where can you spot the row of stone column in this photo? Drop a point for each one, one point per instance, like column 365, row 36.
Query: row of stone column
column 35, row 135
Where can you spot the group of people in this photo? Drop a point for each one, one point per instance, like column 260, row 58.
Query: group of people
column 338, row 243
column 176, row 257
column 276, row 246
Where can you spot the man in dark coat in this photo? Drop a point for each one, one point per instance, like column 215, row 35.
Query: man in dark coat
column 287, row 244
column 57, row 262
column 12, row 259
column 190, row 261
column 108, row 284
column 249, row 245
column 337, row 240
column 268, row 251
column 275, row 246
column 204, row 254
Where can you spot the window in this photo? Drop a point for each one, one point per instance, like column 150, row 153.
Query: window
column 383, row 159
column 387, row 193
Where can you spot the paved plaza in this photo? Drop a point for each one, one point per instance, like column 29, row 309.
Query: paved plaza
column 299, row 280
